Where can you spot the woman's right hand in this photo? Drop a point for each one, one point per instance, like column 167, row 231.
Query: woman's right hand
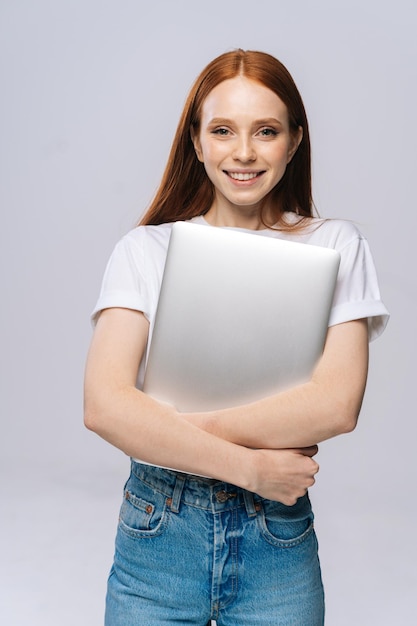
column 283, row 475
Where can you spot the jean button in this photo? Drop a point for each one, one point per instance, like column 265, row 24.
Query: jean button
column 223, row 496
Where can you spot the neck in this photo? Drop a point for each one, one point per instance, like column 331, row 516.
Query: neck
column 240, row 218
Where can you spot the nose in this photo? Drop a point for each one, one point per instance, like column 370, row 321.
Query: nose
column 244, row 150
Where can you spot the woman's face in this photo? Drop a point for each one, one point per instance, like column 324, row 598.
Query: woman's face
column 245, row 144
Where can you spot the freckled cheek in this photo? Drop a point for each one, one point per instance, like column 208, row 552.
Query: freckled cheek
column 277, row 152
column 212, row 160
column 216, row 153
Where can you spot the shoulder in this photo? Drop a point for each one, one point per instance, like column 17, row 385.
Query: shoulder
column 329, row 233
column 145, row 243
column 140, row 249
column 148, row 235
column 332, row 233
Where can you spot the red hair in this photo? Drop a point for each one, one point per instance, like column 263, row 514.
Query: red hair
column 185, row 190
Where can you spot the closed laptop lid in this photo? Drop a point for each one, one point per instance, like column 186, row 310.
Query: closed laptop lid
column 240, row 316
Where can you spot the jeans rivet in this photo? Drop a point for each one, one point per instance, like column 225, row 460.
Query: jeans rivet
column 222, row 496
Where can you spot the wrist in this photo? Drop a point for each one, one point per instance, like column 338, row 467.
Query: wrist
column 246, row 470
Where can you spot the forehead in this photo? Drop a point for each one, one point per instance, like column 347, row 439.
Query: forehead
column 244, row 97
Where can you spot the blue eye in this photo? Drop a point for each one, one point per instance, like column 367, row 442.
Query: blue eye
column 269, row 132
column 223, row 132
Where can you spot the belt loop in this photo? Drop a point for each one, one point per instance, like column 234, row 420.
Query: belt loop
column 249, row 503
column 176, row 494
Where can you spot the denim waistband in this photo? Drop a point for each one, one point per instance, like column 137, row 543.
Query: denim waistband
column 203, row 493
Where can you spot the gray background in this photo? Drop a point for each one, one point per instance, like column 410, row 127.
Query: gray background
column 91, row 91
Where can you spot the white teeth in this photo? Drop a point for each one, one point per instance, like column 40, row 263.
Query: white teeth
column 243, row 175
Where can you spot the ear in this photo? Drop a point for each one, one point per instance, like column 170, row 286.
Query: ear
column 295, row 142
column 197, row 145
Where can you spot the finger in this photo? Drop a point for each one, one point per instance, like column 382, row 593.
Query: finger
column 315, row 467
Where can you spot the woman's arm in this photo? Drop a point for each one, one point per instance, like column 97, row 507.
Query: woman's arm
column 154, row 432
column 326, row 406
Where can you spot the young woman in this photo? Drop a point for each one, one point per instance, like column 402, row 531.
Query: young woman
column 239, row 547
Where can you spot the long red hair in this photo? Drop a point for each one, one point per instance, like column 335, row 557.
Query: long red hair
column 186, row 191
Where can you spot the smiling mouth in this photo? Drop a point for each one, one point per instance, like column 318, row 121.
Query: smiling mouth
column 243, row 175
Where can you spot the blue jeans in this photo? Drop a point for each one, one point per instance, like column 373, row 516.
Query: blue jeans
column 189, row 550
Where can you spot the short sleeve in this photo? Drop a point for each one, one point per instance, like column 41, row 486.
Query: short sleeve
column 357, row 292
column 124, row 283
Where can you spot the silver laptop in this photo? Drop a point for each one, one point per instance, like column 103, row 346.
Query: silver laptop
column 240, row 316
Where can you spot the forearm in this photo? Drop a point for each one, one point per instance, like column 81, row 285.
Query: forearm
column 296, row 418
column 134, row 422
column 156, row 433
column 325, row 407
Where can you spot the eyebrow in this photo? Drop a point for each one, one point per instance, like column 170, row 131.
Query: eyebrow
column 262, row 122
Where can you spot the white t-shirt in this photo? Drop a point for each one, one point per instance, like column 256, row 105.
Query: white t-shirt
column 134, row 272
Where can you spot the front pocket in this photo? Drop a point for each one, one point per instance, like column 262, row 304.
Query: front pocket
column 279, row 529
column 143, row 518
